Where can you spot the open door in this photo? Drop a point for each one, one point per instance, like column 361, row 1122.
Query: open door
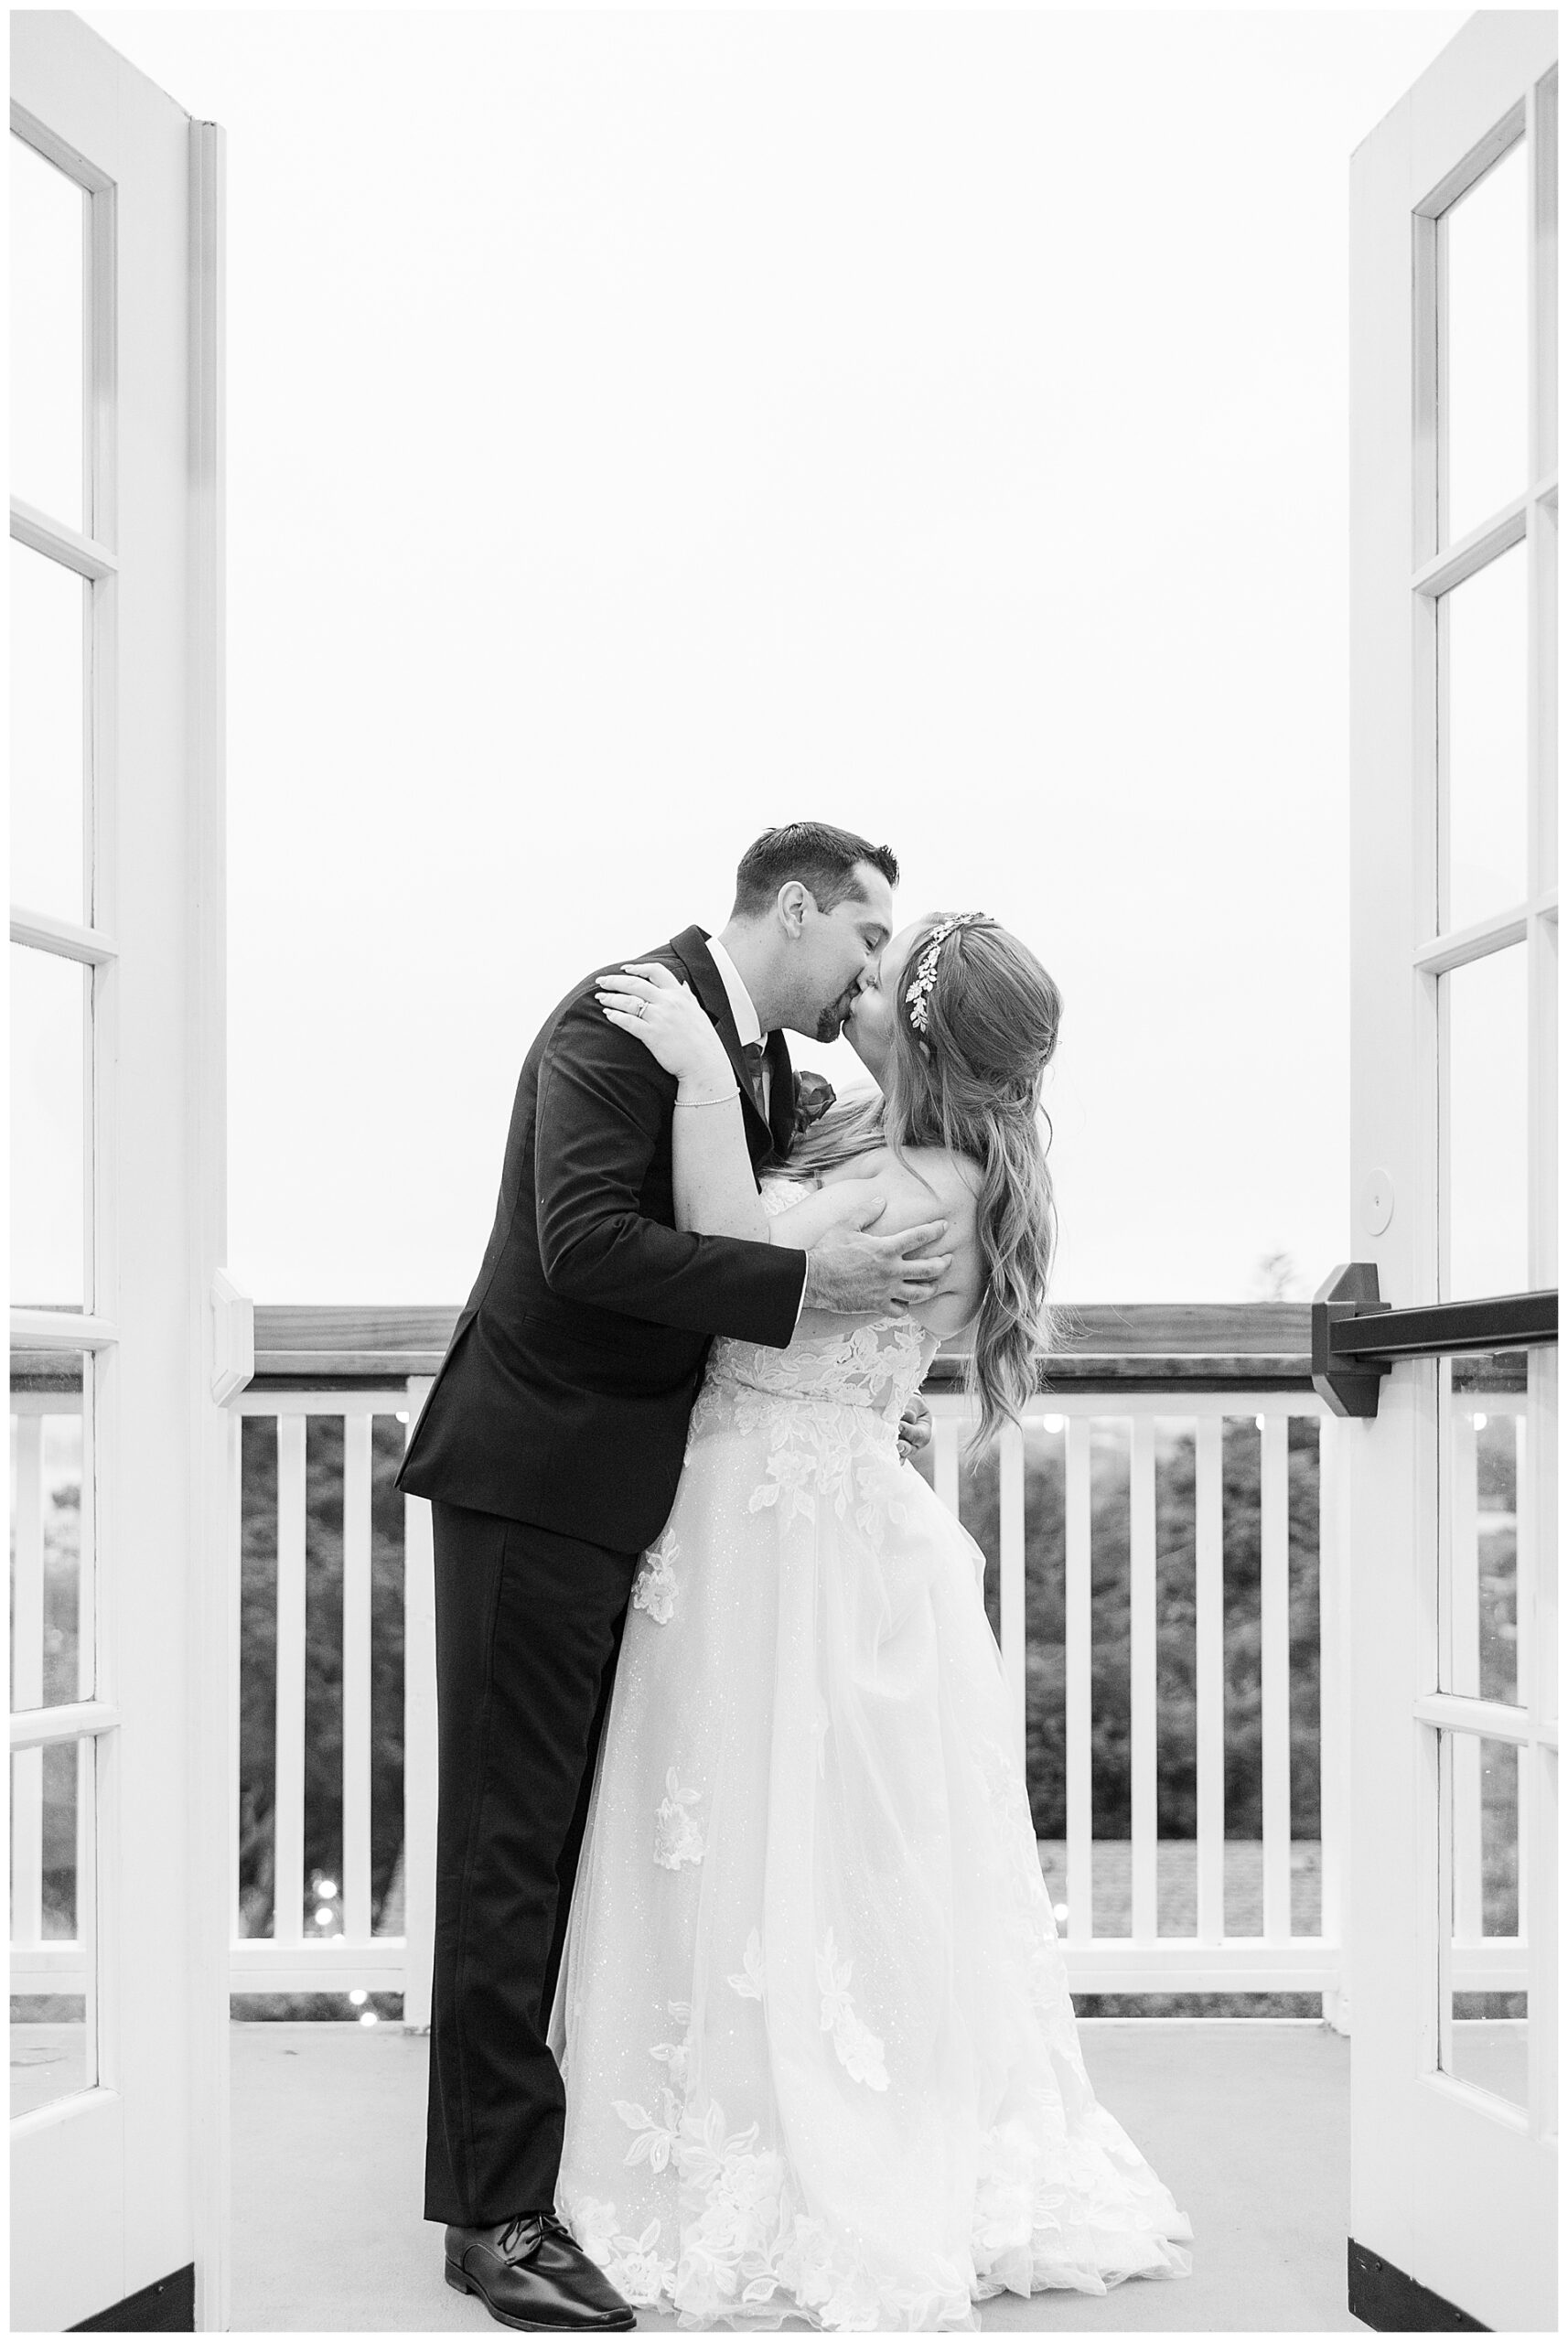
column 1454, row 940
column 120, row 1660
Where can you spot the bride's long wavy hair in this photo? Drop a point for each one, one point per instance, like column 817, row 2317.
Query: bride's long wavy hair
column 971, row 1083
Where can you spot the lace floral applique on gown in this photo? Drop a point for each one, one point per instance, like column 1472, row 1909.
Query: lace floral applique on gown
column 820, row 2056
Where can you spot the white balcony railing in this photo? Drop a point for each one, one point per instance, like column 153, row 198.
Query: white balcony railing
column 1134, row 1384
column 1208, row 1959
column 290, row 1958
column 1138, row 1376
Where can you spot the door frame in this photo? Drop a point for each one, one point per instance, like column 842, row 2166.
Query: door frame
column 1415, row 2129
column 120, row 2191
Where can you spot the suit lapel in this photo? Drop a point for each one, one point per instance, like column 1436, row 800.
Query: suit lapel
column 691, row 948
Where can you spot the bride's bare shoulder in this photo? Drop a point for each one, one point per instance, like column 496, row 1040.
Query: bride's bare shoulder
column 922, row 1183
column 954, row 1177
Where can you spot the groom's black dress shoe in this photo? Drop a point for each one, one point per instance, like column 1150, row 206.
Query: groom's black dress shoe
column 530, row 2274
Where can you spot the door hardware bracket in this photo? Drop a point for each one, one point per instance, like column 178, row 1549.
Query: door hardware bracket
column 1348, row 1385
column 1356, row 1336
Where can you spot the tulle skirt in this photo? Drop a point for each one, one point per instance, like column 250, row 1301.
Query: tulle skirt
column 819, row 2051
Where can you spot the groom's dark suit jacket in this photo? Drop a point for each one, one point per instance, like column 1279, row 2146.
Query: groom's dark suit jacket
column 564, row 1393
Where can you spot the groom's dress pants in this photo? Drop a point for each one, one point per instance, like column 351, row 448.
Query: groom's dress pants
column 528, row 1626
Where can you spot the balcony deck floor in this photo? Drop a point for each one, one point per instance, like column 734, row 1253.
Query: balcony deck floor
column 1247, row 2121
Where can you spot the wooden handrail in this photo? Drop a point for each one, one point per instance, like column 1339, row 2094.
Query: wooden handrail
column 1136, row 1345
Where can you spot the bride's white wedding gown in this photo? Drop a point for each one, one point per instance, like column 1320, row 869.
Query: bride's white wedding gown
column 819, row 2052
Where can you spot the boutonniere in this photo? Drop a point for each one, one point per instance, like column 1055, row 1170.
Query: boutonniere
column 813, row 1095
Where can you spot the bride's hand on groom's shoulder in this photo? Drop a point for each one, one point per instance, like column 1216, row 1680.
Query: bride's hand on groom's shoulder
column 648, row 1001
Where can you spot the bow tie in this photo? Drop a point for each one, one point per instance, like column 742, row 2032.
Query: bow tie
column 754, row 1053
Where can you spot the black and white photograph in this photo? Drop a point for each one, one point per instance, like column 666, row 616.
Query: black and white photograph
column 783, row 1169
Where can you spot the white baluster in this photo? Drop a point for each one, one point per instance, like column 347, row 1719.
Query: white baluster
column 1463, row 1637
column 420, row 1744
column 1535, row 1509
column 1144, row 1682
column 944, row 1477
column 1468, row 1856
column 1333, row 1625
column 27, row 1848
column 1211, row 1629
column 1014, row 1646
column 233, row 1560
column 1079, row 1685
column 1524, row 1792
column 944, row 1451
column 27, row 1682
column 87, row 1897
column 81, row 1405
column 288, row 1810
column 27, row 1565
column 1522, row 1500
column 357, row 1677
column 1461, row 1643
column 1274, row 1635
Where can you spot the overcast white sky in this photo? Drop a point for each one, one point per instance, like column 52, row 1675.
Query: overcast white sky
column 646, row 428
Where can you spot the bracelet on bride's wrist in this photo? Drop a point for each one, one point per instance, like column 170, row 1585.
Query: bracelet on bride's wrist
column 722, row 1101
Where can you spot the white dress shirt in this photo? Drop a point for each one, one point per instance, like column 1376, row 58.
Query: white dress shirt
column 748, row 1027
column 743, row 1008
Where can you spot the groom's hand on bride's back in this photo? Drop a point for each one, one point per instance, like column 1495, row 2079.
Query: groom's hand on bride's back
column 853, row 1270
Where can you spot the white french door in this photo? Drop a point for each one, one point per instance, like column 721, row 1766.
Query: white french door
column 1454, row 940
column 119, row 1649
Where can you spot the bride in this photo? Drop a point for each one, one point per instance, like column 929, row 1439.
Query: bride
column 814, row 2022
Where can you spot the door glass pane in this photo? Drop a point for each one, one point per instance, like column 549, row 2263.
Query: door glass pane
column 49, row 1002
column 1485, row 2041
column 51, row 1979
column 1485, row 1100
column 48, row 611
column 47, row 289
column 1486, row 341
column 51, row 1531
column 1485, row 702
column 1480, row 1458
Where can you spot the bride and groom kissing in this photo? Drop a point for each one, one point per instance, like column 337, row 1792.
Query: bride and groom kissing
column 747, row 2003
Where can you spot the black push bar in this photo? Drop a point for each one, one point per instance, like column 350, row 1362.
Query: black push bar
column 1356, row 1337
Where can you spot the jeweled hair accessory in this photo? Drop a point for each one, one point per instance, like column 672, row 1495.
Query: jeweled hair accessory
column 925, row 971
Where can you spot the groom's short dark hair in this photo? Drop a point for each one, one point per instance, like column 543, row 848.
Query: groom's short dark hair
column 823, row 859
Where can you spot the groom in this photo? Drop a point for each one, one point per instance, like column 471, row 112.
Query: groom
column 549, row 1447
